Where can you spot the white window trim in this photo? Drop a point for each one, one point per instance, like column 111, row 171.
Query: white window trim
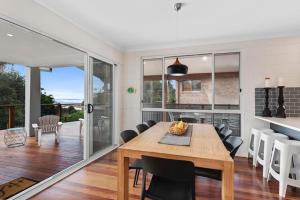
column 213, row 110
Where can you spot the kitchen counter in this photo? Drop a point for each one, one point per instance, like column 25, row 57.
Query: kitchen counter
column 289, row 126
column 289, row 122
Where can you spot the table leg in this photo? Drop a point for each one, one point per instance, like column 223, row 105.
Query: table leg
column 123, row 176
column 228, row 181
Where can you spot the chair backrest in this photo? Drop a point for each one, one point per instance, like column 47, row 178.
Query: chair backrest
column 220, row 127
column 151, row 123
column 176, row 170
column 233, row 144
column 187, row 119
column 141, row 128
column 225, row 134
column 48, row 123
column 128, row 135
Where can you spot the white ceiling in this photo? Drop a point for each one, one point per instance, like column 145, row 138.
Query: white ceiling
column 34, row 50
column 142, row 24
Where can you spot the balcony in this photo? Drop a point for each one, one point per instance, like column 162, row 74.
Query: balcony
column 40, row 162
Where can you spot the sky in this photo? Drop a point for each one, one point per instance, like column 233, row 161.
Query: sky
column 63, row 83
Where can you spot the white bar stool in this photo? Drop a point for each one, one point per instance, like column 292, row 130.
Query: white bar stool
column 254, row 142
column 287, row 149
column 265, row 147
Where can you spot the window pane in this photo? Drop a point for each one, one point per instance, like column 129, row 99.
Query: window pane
column 191, row 91
column 227, row 81
column 152, row 86
column 174, row 116
column 232, row 121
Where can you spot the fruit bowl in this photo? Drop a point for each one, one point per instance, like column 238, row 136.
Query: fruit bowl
column 178, row 128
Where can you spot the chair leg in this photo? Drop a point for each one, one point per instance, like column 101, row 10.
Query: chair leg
column 135, row 175
column 39, row 137
column 267, row 158
column 271, row 163
column 285, row 161
column 56, row 138
column 143, row 185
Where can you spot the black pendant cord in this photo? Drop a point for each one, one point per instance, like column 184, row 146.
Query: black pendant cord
column 267, row 111
column 280, row 110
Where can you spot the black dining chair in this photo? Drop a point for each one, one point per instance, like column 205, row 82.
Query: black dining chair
column 187, row 119
column 232, row 144
column 171, row 179
column 224, row 134
column 141, row 128
column 220, row 127
column 126, row 136
column 151, row 123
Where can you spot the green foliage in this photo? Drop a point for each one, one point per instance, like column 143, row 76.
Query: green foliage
column 47, row 101
column 171, row 93
column 12, row 92
column 71, row 109
column 152, row 92
column 73, row 116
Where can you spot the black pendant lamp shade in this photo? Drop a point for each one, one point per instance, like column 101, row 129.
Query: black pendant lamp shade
column 177, row 69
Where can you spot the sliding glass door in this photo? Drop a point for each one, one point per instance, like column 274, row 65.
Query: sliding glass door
column 100, row 107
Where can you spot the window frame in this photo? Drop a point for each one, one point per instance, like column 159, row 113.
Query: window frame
column 212, row 110
column 240, row 87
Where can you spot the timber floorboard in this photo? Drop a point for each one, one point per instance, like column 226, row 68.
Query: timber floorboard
column 98, row 180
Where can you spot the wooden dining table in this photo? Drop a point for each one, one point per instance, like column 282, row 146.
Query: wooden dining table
column 205, row 150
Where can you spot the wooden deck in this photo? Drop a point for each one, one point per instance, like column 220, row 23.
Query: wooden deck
column 98, row 181
column 39, row 163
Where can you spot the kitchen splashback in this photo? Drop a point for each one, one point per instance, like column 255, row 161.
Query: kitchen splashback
column 291, row 101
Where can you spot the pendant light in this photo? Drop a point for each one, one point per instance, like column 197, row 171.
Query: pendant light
column 177, row 69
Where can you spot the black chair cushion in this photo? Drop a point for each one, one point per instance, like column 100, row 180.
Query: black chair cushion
column 137, row 164
column 164, row 189
column 208, row 173
column 151, row 123
column 128, row 135
column 142, row 127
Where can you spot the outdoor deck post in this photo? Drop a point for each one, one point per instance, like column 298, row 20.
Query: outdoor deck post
column 32, row 98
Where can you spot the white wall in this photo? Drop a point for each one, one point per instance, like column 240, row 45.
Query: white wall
column 259, row 59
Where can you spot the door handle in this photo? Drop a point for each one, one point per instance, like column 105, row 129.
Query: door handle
column 90, row 108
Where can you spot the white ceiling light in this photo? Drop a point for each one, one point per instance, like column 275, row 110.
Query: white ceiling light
column 177, row 69
column 10, row 34
column 204, row 58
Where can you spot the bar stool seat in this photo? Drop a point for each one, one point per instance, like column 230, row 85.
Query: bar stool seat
column 254, row 142
column 266, row 143
column 287, row 149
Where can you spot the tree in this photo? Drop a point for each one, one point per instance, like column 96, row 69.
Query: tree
column 47, row 104
column 171, row 92
column 12, row 92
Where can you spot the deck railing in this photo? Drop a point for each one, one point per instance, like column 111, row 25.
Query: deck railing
column 13, row 115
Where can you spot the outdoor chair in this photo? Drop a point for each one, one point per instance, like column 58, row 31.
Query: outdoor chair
column 48, row 124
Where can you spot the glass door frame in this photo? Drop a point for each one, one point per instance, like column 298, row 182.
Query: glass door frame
column 88, row 118
column 35, row 189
